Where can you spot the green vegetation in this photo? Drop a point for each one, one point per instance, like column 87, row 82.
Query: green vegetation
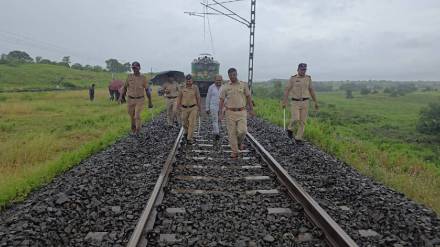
column 15, row 58
column 376, row 134
column 20, row 72
column 44, row 134
column 45, row 76
column 429, row 122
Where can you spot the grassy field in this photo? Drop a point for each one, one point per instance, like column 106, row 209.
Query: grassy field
column 45, row 76
column 43, row 134
column 377, row 135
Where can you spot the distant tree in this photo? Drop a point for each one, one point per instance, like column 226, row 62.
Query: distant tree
column 87, row 67
column 277, row 90
column 353, row 86
column 113, row 65
column 387, row 90
column 66, row 59
column 429, row 121
column 20, row 57
column 127, row 67
column 63, row 64
column 348, row 94
column 46, row 61
column 365, row 91
column 97, row 68
column 3, row 59
column 377, row 87
column 406, row 88
column 38, row 59
column 76, row 66
column 322, row 86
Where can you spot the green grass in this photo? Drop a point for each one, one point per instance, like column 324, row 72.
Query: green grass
column 388, row 122
column 44, row 134
column 376, row 134
column 46, row 76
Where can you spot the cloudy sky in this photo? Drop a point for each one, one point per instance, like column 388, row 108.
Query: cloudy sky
column 339, row 39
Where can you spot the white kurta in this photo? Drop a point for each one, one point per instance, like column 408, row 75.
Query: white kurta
column 212, row 103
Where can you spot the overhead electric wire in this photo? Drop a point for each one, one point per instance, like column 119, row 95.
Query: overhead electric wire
column 231, row 1
column 227, row 15
column 204, row 23
column 210, row 34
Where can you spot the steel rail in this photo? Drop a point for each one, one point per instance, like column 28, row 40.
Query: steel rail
column 155, row 197
column 333, row 232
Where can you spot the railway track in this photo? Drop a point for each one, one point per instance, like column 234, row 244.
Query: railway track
column 204, row 198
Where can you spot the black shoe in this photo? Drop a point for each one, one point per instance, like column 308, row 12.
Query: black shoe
column 299, row 142
column 289, row 134
column 217, row 137
column 189, row 142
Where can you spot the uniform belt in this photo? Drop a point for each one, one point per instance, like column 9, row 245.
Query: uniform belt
column 171, row 97
column 131, row 97
column 235, row 109
column 188, row 106
column 303, row 99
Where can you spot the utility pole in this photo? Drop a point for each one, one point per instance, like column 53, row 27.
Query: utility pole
column 251, row 45
column 232, row 15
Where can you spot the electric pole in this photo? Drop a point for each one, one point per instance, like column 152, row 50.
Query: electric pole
column 225, row 11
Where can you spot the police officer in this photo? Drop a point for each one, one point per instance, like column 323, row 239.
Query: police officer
column 212, row 104
column 237, row 96
column 188, row 102
column 299, row 88
column 135, row 87
column 171, row 91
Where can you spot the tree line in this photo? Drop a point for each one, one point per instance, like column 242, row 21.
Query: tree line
column 15, row 58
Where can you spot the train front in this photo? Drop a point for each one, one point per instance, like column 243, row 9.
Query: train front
column 203, row 70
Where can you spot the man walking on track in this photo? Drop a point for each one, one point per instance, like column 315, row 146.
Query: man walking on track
column 134, row 87
column 189, row 103
column 171, row 91
column 237, row 96
column 212, row 104
column 299, row 89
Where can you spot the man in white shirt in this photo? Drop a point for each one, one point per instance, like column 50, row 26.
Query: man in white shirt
column 212, row 104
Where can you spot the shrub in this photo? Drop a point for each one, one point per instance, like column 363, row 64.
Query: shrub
column 429, row 121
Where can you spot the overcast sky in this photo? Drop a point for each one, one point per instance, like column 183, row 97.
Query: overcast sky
column 338, row 39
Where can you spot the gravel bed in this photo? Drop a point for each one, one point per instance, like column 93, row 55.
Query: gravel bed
column 224, row 214
column 372, row 214
column 98, row 201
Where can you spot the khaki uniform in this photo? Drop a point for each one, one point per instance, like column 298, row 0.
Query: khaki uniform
column 135, row 89
column 234, row 95
column 190, row 110
column 298, row 88
column 171, row 92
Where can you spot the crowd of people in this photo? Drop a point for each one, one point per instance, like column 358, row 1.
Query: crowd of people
column 230, row 101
